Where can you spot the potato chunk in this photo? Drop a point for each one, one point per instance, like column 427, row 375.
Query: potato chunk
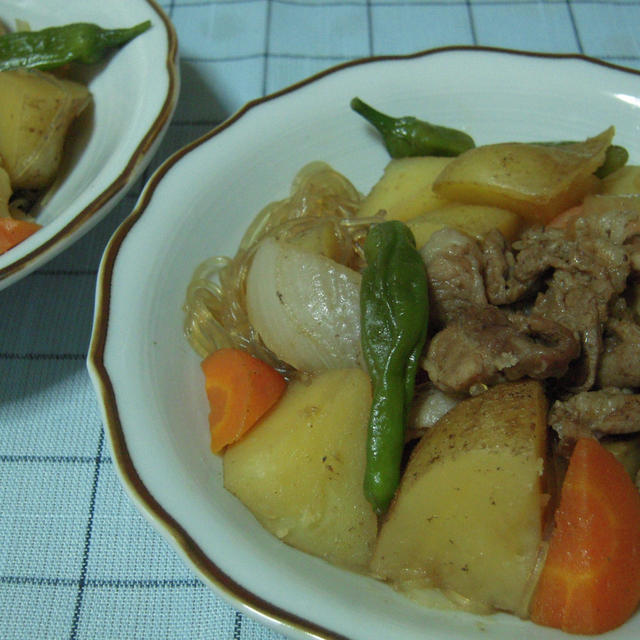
column 625, row 181
column 468, row 516
column 301, row 469
column 474, row 220
column 536, row 181
column 404, row 190
column 36, row 110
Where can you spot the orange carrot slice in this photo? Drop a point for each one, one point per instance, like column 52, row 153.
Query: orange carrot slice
column 13, row 231
column 241, row 389
column 590, row 582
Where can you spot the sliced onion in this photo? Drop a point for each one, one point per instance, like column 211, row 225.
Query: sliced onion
column 305, row 307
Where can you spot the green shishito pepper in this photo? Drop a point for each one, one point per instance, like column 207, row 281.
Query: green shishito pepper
column 615, row 158
column 394, row 314
column 56, row 46
column 408, row 136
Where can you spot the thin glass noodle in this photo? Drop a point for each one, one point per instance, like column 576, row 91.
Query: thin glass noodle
column 318, row 214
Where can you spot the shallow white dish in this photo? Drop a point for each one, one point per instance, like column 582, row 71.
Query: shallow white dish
column 134, row 96
column 196, row 205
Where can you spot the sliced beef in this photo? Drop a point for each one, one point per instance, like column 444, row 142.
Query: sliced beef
column 616, row 218
column 508, row 280
column 633, row 251
column 455, row 273
column 486, row 345
column 571, row 278
column 575, row 306
column 589, row 273
column 620, row 361
column 595, row 414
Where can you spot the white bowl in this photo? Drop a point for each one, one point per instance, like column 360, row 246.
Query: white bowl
column 196, row 205
column 134, row 93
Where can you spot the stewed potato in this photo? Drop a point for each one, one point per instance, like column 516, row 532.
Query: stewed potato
column 474, row 220
column 404, row 190
column 36, row 110
column 624, row 181
column 300, row 470
column 537, row 181
column 468, row 516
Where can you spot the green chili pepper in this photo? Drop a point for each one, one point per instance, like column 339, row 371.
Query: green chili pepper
column 57, row 46
column 394, row 314
column 408, row 136
column 615, row 159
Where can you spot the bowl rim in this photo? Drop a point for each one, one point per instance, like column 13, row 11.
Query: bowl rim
column 33, row 258
column 219, row 581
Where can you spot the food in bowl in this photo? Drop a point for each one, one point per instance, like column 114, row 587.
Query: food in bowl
column 437, row 384
column 38, row 104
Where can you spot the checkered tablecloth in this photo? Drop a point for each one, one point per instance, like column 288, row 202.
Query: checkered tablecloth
column 76, row 559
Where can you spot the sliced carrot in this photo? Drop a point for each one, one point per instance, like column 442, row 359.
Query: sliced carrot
column 13, row 231
column 241, row 389
column 590, row 582
column 566, row 218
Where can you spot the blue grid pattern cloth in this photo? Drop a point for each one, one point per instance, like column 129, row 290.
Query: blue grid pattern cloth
column 76, row 558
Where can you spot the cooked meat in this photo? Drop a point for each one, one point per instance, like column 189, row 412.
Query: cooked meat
column 616, row 218
column 544, row 307
column 538, row 251
column 589, row 272
column 486, row 345
column 593, row 251
column 633, row 250
column 620, row 361
column 576, row 307
column 454, row 269
column 506, row 280
column 571, row 278
column 594, row 414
